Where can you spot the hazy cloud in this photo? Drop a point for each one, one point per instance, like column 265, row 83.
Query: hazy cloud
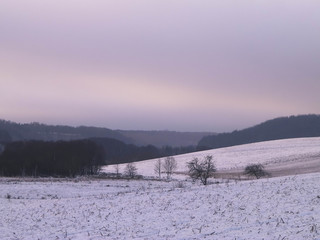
column 184, row 65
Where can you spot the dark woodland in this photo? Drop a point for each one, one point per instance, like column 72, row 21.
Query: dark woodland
column 279, row 128
column 38, row 158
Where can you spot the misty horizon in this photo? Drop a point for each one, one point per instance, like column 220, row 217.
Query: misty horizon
column 160, row 130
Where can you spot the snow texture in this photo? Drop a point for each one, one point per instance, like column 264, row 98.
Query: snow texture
column 280, row 208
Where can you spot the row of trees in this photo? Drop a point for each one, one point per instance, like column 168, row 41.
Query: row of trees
column 168, row 166
column 203, row 169
column 38, row 158
column 197, row 169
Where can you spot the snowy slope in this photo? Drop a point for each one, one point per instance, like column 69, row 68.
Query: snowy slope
column 277, row 208
column 91, row 209
column 268, row 153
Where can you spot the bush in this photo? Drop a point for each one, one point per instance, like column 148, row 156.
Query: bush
column 256, row 170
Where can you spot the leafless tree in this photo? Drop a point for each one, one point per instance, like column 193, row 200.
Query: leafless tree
column 169, row 165
column 158, row 167
column 117, row 168
column 130, row 170
column 256, row 170
column 202, row 169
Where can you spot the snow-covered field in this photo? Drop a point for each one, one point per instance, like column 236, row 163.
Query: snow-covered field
column 279, row 208
column 270, row 153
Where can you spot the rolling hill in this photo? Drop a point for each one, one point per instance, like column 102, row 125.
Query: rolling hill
column 288, row 154
column 11, row 131
column 279, row 128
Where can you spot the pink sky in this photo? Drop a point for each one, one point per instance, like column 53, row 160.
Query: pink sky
column 176, row 65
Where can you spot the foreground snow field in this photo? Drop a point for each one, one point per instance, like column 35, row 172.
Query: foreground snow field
column 277, row 208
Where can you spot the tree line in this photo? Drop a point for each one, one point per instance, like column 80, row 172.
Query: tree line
column 38, row 158
column 71, row 158
column 279, row 128
column 198, row 169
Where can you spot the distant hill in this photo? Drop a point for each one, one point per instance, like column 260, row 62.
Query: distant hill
column 164, row 138
column 117, row 147
column 11, row 131
column 279, row 128
column 4, row 136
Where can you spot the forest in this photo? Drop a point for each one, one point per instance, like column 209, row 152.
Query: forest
column 279, row 128
column 62, row 158
column 74, row 158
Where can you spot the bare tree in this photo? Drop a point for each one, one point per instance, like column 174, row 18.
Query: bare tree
column 117, row 168
column 201, row 169
column 256, row 170
column 130, row 170
column 158, row 167
column 169, row 165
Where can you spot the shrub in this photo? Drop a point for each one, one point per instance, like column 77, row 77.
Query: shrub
column 256, row 170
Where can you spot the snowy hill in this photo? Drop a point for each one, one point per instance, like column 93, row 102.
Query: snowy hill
column 271, row 153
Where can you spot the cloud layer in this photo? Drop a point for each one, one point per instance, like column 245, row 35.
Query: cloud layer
column 180, row 65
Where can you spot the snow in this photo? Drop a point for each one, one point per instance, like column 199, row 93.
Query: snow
column 95, row 209
column 277, row 208
column 267, row 153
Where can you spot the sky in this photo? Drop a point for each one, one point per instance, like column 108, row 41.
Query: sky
column 183, row 65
